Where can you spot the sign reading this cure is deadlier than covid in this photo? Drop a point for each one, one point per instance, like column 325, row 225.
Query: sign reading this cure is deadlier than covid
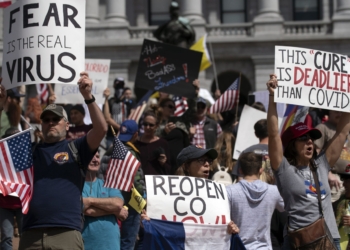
column 312, row 78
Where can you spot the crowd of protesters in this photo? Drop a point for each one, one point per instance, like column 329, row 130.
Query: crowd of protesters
column 71, row 208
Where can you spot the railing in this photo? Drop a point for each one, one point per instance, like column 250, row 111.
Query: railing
column 306, row 28
column 141, row 32
column 240, row 30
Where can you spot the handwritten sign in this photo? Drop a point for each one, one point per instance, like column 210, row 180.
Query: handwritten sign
column 187, row 199
column 312, row 78
column 98, row 70
column 167, row 68
column 44, row 42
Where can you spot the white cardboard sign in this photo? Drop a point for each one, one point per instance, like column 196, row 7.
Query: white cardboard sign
column 98, row 70
column 187, row 199
column 312, row 78
column 44, row 42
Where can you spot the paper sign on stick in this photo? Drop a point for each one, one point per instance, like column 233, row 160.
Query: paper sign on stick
column 312, row 78
column 187, row 199
column 98, row 70
column 44, row 42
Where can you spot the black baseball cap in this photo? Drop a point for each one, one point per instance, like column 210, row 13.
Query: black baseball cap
column 14, row 93
column 56, row 109
column 195, row 152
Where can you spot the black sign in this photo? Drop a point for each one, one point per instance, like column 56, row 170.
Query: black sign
column 167, row 68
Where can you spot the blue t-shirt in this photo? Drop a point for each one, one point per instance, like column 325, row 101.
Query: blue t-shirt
column 57, row 186
column 101, row 232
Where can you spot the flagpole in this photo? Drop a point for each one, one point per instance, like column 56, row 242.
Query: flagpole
column 214, row 67
column 239, row 91
column 113, row 131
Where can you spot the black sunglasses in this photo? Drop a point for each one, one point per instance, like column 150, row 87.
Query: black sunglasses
column 145, row 124
column 305, row 138
column 54, row 120
column 170, row 106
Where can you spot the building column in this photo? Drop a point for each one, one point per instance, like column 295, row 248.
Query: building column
column 116, row 11
column 341, row 19
column 269, row 20
column 263, row 66
column 92, row 11
column 192, row 10
column 326, row 13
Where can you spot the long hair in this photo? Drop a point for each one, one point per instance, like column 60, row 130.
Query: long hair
column 14, row 114
column 291, row 155
column 227, row 139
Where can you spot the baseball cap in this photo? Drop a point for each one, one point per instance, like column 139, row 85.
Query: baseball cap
column 79, row 108
column 127, row 129
column 298, row 130
column 56, row 109
column 194, row 152
column 14, row 93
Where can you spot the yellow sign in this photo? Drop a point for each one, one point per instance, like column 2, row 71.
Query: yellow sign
column 136, row 200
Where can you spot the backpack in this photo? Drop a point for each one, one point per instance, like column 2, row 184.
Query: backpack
column 221, row 176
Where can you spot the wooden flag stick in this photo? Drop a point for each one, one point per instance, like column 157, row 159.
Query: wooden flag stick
column 214, row 66
column 113, row 131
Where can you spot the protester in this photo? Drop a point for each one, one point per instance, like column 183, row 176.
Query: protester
column 293, row 157
column 55, row 212
column 130, row 227
column 341, row 209
column 10, row 208
column 78, row 128
column 154, row 151
column 128, row 100
column 206, row 129
column 249, row 197
column 102, row 207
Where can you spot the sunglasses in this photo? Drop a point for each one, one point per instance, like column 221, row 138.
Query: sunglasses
column 146, row 124
column 201, row 106
column 170, row 106
column 203, row 160
column 305, row 138
column 53, row 120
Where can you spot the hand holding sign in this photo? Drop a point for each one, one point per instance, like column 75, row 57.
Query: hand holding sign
column 272, row 84
column 85, row 86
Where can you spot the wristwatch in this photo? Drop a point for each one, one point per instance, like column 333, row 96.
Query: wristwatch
column 90, row 101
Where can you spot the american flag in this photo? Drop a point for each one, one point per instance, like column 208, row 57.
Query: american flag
column 5, row 3
column 137, row 113
column 180, row 105
column 228, row 100
column 43, row 92
column 122, row 168
column 16, row 168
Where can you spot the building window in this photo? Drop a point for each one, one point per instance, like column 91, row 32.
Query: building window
column 305, row 10
column 233, row 11
column 158, row 11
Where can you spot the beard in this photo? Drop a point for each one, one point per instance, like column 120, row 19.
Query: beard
column 54, row 136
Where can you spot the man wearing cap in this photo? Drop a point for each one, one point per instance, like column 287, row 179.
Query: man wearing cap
column 54, row 219
column 206, row 129
column 11, row 116
column 78, row 128
column 130, row 227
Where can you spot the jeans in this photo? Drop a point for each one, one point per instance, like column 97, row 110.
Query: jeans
column 7, row 222
column 286, row 243
column 129, row 231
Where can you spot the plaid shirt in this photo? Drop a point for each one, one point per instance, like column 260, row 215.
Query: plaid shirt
column 198, row 138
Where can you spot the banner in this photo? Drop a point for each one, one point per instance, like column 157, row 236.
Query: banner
column 98, row 70
column 312, row 78
column 44, row 42
column 167, row 68
column 187, row 199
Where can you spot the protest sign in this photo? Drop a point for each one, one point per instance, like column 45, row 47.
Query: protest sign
column 98, row 70
column 167, row 68
column 44, row 42
column 312, row 78
column 187, row 199
column 245, row 134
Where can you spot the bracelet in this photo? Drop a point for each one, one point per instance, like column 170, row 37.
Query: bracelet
column 90, row 101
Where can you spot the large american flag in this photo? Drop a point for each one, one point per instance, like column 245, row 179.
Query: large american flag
column 43, row 92
column 228, row 100
column 5, row 3
column 180, row 105
column 16, row 168
column 122, row 168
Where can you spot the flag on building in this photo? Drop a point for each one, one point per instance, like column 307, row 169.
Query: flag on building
column 137, row 202
column 16, row 167
column 5, row 3
column 228, row 100
column 161, row 234
column 180, row 105
column 122, row 168
column 201, row 46
column 293, row 115
column 43, row 92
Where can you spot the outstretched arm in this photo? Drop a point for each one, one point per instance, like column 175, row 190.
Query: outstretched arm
column 96, row 134
column 275, row 143
column 335, row 146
